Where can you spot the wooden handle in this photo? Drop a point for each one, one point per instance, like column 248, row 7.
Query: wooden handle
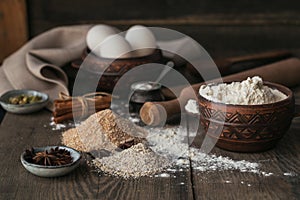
column 286, row 72
column 228, row 65
column 260, row 56
column 156, row 113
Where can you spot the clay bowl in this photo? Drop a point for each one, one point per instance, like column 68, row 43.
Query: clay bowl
column 111, row 70
column 248, row 128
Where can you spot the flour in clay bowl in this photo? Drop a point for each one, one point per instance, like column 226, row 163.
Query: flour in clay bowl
column 251, row 91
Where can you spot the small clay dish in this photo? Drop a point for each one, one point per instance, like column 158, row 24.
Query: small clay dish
column 111, row 70
column 248, row 128
column 24, row 108
column 51, row 171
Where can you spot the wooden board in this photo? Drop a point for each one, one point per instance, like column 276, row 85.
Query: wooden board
column 224, row 29
column 280, row 161
column 20, row 132
column 47, row 14
column 13, row 26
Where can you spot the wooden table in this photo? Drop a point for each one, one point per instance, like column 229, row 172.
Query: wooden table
column 18, row 132
column 223, row 28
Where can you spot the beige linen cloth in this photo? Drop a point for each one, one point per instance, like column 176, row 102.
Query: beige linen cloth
column 37, row 65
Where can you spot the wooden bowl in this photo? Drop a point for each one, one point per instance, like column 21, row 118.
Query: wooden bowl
column 111, row 70
column 248, row 128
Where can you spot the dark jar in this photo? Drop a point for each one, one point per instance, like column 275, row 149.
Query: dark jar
column 143, row 92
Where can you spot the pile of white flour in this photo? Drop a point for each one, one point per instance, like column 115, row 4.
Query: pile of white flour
column 251, row 91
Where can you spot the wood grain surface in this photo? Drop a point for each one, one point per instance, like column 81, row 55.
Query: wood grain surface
column 223, row 28
column 45, row 14
column 13, row 26
column 227, row 28
column 18, row 132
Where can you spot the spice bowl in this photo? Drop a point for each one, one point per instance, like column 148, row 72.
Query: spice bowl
column 23, row 108
column 248, row 128
column 51, row 171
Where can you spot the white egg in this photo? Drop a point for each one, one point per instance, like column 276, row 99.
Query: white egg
column 115, row 46
column 141, row 40
column 98, row 33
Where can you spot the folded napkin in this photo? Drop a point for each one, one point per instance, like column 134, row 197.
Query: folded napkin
column 37, row 65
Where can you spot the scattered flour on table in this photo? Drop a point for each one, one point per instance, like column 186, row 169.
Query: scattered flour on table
column 55, row 126
column 251, row 91
column 60, row 126
column 192, row 106
column 172, row 143
column 289, row 174
column 163, row 151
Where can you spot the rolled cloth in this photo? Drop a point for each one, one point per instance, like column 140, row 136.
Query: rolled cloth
column 37, row 65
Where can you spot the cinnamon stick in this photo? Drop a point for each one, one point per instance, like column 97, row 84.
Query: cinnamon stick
column 75, row 114
column 68, row 107
column 62, row 111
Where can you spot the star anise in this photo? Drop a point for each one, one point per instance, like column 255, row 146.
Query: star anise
column 55, row 157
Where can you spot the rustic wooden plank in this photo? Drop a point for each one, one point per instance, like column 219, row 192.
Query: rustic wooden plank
column 159, row 9
column 13, row 26
column 222, row 29
column 285, row 158
column 84, row 183
column 249, row 185
column 18, row 132
column 45, row 15
column 178, row 186
column 225, row 41
column 253, row 186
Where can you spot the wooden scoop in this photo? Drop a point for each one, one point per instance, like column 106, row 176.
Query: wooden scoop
column 286, row 72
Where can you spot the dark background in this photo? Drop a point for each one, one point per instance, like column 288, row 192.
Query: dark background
column 223, row 28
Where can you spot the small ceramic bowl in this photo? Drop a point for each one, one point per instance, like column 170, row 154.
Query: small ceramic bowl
column 25, row 108
column 52, row 171
column 248, row 128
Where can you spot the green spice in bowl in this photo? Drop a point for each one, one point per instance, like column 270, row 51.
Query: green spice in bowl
column 23, row 101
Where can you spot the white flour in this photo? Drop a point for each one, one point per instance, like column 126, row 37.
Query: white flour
column 55, row 126
column 248, row 92
column 173, row 143
column 61, row 126
column 192, row 106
